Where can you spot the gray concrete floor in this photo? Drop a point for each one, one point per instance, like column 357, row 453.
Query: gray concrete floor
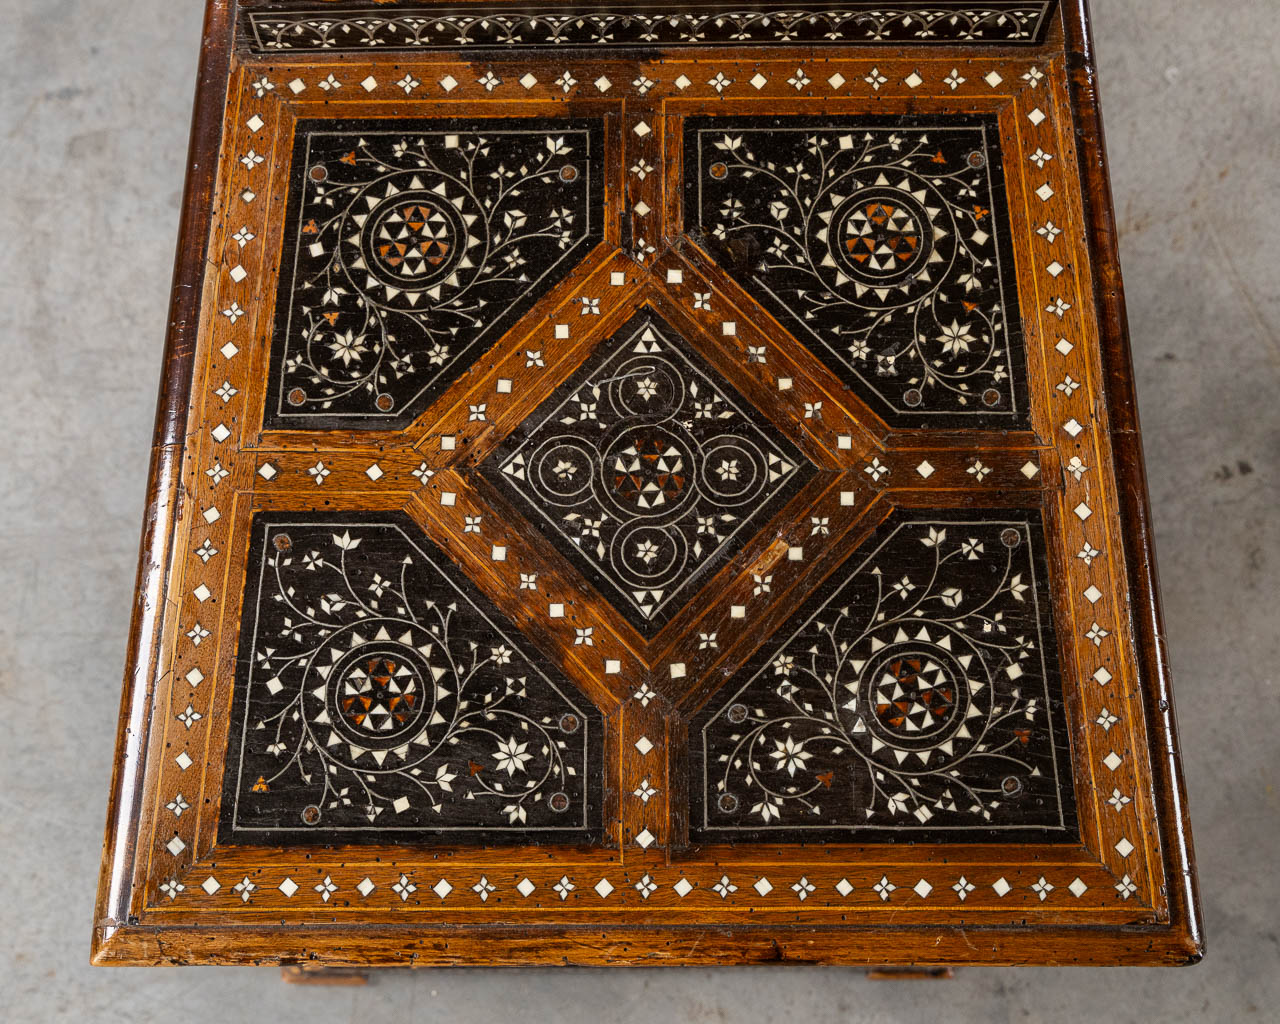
column 95, row 98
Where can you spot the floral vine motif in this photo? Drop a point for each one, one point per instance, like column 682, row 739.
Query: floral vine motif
column 376, row 692
column 585, row 25
column 887, row 246
column 414, row 246
column 645, row 470
column 922, row 697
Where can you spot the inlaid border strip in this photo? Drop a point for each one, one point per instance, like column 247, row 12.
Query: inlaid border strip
column 183, row 852
column 599, row 26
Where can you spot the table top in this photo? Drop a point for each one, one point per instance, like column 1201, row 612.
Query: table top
column 636, row 486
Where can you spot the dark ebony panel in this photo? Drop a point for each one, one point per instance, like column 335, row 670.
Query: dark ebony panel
column 915, row 697
column 647, row 470
column 882, row 244
column 410, row 247
column 379, row 697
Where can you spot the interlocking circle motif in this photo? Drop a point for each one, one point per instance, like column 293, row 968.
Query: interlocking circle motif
column 646, row 467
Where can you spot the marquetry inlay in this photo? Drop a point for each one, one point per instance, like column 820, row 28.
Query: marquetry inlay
column 639, row 483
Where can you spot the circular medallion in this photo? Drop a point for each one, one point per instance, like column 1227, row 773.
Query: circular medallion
column 561, row 470
column 733, row 471
column 915, row 697
column 881, row 236
column 648, row 388
column 413, row 239
column 379, row 692
column 921, row 699
column 887, row 243
column 372, row 694
column 648, row 557
column 647, row 471
column 409, row 243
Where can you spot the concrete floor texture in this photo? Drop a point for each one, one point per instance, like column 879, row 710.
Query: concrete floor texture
column 94, row 104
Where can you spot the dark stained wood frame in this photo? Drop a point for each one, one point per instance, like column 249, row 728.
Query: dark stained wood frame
column 133, row 925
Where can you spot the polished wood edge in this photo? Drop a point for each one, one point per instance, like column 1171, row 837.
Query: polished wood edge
column 1146, row 617
column 849, row 944
column 164, row 486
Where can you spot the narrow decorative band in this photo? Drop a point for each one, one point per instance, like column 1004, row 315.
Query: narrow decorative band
column 1001, row 22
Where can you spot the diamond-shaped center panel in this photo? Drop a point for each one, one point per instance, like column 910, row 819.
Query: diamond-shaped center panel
column 647, row 470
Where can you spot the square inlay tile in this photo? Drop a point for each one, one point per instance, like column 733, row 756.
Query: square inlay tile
column 639, row 484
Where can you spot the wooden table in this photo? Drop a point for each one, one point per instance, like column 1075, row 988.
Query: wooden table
column 647, row 486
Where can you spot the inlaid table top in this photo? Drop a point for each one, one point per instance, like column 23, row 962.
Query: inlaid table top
column 647, row 485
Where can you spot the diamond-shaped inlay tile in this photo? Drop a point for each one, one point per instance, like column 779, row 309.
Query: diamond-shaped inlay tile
column 647, row 470
column 410, row 246
column 918, row 689
column 886, row 249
